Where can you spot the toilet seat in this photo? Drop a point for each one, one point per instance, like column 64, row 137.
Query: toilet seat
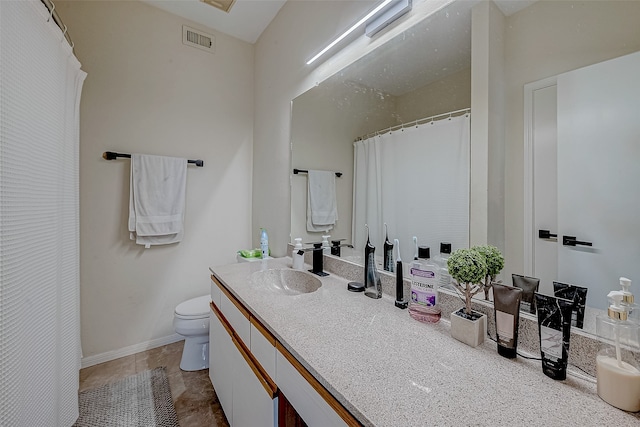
column 195, row 308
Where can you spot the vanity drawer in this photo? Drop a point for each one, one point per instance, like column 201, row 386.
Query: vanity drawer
column 236, row 314
column 263, row 347
column 309, row 398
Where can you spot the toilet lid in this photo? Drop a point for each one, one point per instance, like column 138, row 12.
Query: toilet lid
column 194, row 307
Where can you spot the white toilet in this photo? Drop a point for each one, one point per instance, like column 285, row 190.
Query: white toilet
column 191, row 320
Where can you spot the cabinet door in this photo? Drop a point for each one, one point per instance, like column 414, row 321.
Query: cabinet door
column 254, row 404
column 221, row 357
column 312, row 407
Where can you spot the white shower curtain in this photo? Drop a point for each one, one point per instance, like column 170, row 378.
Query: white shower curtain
column 40, row 86
column 417, row 181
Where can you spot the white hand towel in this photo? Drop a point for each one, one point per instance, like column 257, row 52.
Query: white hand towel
column 157, row 199
column 322, row 208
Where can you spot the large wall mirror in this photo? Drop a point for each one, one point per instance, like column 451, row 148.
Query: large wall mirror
column 428, row 70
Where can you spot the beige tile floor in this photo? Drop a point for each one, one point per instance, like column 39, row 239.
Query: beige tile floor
column 195, row 400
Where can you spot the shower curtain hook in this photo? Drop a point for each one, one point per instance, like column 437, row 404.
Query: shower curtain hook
column 52, row 9
column 64, row 32
column 449, row 116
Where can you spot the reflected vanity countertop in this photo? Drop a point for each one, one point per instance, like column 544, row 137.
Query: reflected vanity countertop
column 390, row 370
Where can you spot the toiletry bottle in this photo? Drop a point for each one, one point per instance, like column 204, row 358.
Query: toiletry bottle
column 400, row 302
column 441, row 262
column 326, row 248
column 298, row 255
column 617, row 362
column 264, row 243
column 372, row 283
column 424, row 287
column 388, row 251
column 554, row 331
column 628, row 300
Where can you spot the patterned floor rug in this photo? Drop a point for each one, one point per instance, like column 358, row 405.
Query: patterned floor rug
column 141, row 400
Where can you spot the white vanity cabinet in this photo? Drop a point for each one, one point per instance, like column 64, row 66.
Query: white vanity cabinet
column 220, row 360
column 247, row 394
column 244, row 360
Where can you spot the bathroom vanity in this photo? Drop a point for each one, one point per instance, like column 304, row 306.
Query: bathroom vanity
column 339, row 358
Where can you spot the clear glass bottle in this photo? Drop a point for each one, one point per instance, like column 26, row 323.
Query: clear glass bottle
column 423, row 304
column 618, row 359
column 441, row 262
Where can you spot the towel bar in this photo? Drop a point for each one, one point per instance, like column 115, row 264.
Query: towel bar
column 111, row 155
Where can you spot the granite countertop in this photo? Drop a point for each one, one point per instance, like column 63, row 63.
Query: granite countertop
column 389, row 370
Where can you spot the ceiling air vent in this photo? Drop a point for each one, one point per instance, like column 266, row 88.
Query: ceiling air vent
column 198, row 39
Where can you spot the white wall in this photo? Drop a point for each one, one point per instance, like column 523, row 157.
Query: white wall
column 543, row 40
column 146, row 92
column 299, row 30
column 450, row 93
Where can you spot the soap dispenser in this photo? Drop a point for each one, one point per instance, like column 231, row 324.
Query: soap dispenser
column 326, row 248
column 628, row 300
column 298, row 255
column 617, row 362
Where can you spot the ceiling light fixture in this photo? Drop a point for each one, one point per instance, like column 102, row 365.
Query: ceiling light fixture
column 224, row 5
column 350, row 30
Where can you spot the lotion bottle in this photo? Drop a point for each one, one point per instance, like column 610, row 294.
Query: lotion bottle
column 617, row 366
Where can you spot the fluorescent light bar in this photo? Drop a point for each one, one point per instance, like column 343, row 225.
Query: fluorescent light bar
column 394, row 12
column 350, row 30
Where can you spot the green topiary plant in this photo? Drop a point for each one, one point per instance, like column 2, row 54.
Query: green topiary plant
column 495, row 264
column 468, row 268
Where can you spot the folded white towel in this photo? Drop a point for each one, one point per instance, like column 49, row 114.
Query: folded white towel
column 322, row 207
column 157, row 199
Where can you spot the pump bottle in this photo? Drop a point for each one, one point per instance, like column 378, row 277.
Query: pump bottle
column 617, row 366
column 298, row 255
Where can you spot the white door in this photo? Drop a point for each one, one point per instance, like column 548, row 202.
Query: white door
column 599, row 174
column 585, row 180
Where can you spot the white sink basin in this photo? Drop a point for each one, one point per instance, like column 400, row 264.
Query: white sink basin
column 286, row 282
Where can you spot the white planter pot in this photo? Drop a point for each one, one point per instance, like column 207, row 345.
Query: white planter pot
column 470, row 332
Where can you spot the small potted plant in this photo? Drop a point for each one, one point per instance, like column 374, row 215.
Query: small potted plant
column 468, row 269
column 495, row 264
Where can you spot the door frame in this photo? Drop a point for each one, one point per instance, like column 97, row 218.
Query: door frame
column 529, row 232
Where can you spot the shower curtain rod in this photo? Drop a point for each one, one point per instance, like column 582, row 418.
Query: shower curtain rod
column 416, row 123
column 51, row 7
column 110, row 155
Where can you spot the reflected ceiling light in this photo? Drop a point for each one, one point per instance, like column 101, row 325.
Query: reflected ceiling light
column 350, row 30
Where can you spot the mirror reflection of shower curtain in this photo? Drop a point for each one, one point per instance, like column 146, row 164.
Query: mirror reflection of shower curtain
column 417, row 181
